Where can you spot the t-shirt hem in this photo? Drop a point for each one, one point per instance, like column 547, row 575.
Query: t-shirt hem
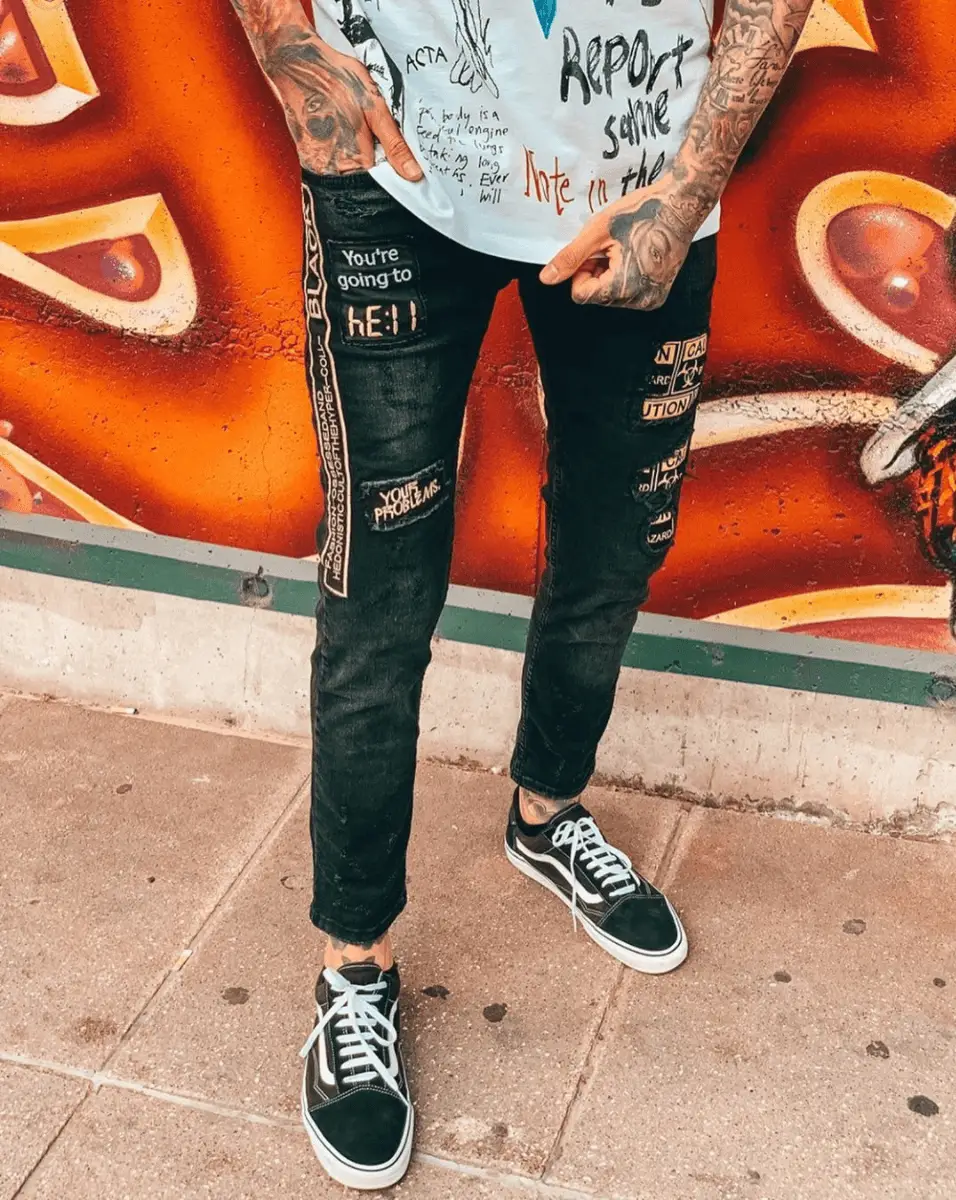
column 492, row 243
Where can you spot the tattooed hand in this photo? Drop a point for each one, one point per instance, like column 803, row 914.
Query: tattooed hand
column 629, row 254
column 334, row 110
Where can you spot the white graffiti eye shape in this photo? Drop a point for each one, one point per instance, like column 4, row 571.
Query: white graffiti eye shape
column 28, row 487
column 43, row 74
column 894, row 601
column 841, row 194
column 123, row 264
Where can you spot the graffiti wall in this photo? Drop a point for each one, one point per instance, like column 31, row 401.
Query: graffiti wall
column 151, row 339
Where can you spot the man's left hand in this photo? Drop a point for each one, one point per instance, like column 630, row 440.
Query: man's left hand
column 629, row 254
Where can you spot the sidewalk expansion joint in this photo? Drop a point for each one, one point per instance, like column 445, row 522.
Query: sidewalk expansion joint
column 208, row 922
column 669, row 853
column 587, row 1070
column 293, row 1125
column 674, row 840
column 58, row 1133
column 48, row 1066
column 524, row 1183
column 102, row 1079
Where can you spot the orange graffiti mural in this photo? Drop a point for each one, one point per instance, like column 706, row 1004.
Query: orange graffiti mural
column 151, row 336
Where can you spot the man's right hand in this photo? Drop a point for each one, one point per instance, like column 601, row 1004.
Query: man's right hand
column 336, row 113
column 334, row 110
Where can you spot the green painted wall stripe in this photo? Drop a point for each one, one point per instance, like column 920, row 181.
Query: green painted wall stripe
column 747, row 664
column 670, row 645
column 148, row 572
column 714, row 660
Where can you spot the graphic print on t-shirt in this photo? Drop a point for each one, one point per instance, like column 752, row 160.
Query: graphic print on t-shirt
column 472, row 67
column 528, row 116
column 546, row 10
column 388, row 79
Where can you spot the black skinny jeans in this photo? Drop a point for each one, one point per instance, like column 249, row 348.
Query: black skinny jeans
column 396, row 315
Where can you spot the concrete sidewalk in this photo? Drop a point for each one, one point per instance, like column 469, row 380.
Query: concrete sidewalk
column 156, row 965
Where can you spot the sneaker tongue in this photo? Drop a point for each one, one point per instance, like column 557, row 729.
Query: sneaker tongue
column 574, row 813
column 361, row 973
column 366, row 973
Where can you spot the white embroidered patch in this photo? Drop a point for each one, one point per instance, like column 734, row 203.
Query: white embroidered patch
column 392, row 503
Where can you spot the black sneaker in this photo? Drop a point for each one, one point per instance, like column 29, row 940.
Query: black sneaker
column 620, row 910
column 355, row 1103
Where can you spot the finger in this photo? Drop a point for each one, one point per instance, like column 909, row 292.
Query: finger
column 607, row 286
column 593, row 278
column 596, row 265
column 588, row 287
column 364, row 158
column 587, row 290
column 564, row 264
column 382, row 124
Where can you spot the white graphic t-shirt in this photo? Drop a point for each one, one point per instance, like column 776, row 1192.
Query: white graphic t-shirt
column 527, row 116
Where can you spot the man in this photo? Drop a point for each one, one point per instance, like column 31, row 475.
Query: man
column 449, row 149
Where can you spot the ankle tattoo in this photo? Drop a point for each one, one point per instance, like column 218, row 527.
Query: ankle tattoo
column 351, row 958
column 537, row 810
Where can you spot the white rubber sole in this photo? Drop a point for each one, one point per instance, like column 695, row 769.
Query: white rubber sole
column 363, row 1179
column 648, row 964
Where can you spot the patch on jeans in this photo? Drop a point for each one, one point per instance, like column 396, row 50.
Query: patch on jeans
column 391, row 503
column 660, row 530
column 379, row 291
column 657, row 484
column 673, row 386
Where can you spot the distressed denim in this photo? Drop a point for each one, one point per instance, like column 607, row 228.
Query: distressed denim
column 396, row 314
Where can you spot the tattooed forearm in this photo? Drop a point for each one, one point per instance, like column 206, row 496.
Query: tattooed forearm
column 649, row 238
column 756, row 45
column 327, row 96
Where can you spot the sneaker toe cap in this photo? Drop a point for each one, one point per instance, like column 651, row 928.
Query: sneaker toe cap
column 647, row 923
column 365, row 1126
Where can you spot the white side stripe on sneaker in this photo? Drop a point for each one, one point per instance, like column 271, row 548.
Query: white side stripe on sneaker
column 325, row 1071
column 606, row 863
column 586, row 896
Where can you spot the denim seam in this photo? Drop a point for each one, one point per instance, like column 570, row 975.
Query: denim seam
column 332, row 927
column 532, row 651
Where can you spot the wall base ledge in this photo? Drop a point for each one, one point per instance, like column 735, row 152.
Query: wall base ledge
column 863, row 763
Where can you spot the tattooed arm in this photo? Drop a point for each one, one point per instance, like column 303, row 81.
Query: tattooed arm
column 629, row 254
column 334, row 110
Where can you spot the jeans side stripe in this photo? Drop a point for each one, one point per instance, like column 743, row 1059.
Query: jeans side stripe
column 329, row 416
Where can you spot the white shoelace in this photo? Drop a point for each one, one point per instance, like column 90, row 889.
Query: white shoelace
column 356, row 1024
column 609, row 866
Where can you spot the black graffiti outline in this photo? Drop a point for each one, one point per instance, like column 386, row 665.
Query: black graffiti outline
column 472, row 67
column 361, row 37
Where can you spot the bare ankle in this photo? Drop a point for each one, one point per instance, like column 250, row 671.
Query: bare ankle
column 339, row 953
column 538, row 810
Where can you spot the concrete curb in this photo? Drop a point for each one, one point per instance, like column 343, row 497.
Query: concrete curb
column 861, row 763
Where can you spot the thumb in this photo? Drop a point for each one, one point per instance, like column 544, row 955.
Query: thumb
column 389, row 136
column 564, row 264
